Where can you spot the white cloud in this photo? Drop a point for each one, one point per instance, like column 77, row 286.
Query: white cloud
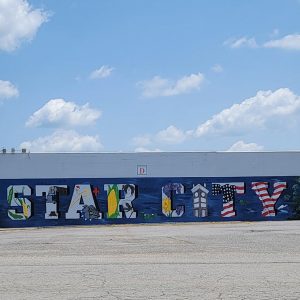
column 162, row 87
column 241, row 42
column 289, row 42
column 266, row 108
column 240, row 146
column 273, row 111
column 141, row 141
column 171, row 135
column 18, row 22
column 103, row 72
column 143, row 149
column 7, row 90
column 58, row 112
column 64, row 141
column 274, row 33
column 217, row 68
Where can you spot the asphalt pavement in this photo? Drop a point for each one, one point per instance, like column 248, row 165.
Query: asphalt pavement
column 238, row 260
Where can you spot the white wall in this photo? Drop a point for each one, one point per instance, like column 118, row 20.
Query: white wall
column 161, row 164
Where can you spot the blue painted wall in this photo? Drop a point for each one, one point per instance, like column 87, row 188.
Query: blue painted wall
column 148, row 201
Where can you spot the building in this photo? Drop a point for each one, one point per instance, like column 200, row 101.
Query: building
column 38, row 189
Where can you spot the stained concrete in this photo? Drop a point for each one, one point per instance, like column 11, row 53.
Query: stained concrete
column 169, row 261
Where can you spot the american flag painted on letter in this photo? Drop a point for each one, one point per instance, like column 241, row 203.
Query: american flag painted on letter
column 261, row 190
column 228, row 190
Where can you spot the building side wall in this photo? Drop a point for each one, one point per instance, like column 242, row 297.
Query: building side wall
column 127, row 165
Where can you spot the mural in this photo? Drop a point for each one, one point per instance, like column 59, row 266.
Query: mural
column 81, row 202
column 47, row 202
column 268, row 202
column 115, row 200
column 167, row 191
column 200, row 193
column 16, row 197
column 126, row 202
column 51, row 195
column 228, row 191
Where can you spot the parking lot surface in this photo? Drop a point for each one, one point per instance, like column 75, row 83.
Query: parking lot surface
column 238, row 260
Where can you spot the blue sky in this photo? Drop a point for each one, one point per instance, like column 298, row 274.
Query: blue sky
column 150, row 75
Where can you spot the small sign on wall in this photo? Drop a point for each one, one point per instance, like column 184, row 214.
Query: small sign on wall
column 141, row 169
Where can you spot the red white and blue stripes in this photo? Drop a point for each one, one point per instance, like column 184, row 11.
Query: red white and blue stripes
column 228, row 191
column 268, row 202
